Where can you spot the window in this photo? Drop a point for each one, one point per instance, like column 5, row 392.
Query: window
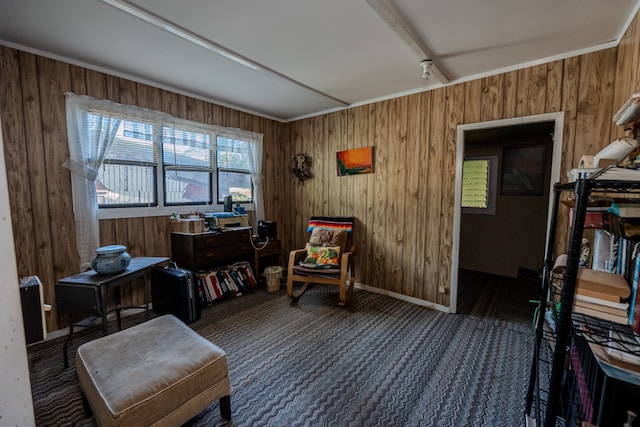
column 479, row 182
column 234, row 171
column 149, row 160
column 127, row 176
column 188, row 166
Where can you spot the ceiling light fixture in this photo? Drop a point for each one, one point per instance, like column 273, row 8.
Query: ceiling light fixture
column 426, row 68
column 389, row 14
column 189, row 36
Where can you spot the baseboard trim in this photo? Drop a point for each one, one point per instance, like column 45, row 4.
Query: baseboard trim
column 403, row 297
column 110, row 317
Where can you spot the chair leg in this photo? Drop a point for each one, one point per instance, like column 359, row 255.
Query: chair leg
column 352, row 282
column 289, row 285
column 297, row 294
column 343, row 294
column 225, row 407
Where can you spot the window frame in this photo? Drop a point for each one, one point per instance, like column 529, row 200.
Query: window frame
column 492, row 186
column 153, row 163
column 232, row 170
column 166, row 167
column 161, row 207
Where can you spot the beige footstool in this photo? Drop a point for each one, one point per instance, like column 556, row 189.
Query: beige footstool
column 158, row 373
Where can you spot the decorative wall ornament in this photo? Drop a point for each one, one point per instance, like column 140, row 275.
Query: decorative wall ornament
column 301, row 167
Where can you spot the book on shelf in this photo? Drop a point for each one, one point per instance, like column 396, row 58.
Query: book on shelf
column 634, row 309
column 629, row 209
column 599, row 284
column 635, row 319
column 202, row 295
column 599, row 295
column 617, row 318
column 634, row 284
column 602, row 302
column 601, row 308
column 618, row 311
column 226, row 291
column 214, row 288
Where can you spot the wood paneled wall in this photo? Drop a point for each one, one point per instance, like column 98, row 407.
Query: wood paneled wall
column 404, row 208
column 32, row 108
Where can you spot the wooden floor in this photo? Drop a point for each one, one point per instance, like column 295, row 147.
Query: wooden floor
column 488, row 295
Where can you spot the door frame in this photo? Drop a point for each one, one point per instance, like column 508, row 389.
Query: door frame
column 558, row 131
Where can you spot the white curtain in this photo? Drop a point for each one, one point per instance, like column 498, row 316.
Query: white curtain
column 255, row 155
column 254, row 151
column 90, row 137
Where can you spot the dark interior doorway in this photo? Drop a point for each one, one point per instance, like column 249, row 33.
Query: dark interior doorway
column 512, row 239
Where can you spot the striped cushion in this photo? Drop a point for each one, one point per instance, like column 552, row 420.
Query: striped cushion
column 334, row 222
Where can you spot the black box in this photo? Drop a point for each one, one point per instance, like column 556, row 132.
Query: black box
column 174, row 291
column 35, row 328
column 268, row 230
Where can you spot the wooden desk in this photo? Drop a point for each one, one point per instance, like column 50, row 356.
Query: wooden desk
column 86, row 293
column 203, row 251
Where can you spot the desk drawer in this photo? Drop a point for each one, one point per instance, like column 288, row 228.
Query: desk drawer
column 272, row 248
column 220, row 254
column 71, row 298
column 226, row 238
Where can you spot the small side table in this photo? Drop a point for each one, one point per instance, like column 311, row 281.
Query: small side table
column 86, row 293
column 267, row 256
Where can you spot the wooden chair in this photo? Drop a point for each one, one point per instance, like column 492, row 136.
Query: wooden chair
column 343, row 275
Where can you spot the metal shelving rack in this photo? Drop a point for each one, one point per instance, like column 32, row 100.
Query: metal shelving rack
column 551, row 397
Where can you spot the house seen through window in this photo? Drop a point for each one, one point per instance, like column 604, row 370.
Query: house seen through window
column 155, row 164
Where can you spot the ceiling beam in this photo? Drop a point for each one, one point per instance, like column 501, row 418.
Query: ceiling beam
column 215, row 48
column 390, row 14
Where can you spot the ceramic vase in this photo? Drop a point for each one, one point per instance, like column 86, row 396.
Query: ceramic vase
column 111, row 259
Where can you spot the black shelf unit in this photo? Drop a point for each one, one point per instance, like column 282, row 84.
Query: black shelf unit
column 553, row 395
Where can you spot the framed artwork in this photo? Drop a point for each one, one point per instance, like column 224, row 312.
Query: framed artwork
column 355, row 162
column 523, row 170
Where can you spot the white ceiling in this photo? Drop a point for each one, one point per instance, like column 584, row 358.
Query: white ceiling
column 297, row 58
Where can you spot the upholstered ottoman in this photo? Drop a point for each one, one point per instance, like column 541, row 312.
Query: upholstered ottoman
column 158, row 373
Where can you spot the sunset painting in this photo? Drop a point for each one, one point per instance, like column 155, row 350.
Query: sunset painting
column 355, row 162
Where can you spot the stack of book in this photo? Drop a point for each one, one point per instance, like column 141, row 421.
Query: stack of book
column 602, row 295
column 626, row 209
column 233, row 280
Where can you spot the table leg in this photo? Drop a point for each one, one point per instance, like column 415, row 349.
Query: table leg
column 147, row 290
column 65, row 347
column 103, row 309
column 116, row 297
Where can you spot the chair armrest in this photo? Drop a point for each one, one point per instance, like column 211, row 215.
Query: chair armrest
column 345, row 257
column 346, row 261
column 296, row 256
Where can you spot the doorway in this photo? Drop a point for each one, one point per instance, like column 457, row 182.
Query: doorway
column 514, row 236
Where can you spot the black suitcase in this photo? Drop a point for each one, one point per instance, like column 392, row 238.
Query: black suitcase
column 174, row 291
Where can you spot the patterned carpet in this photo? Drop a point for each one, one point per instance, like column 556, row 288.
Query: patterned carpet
column 379, row 362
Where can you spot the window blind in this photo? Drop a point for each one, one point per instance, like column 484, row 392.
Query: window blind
column 133, row 143
column 475, row 184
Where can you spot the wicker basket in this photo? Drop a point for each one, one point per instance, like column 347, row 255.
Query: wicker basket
column 273, row 276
